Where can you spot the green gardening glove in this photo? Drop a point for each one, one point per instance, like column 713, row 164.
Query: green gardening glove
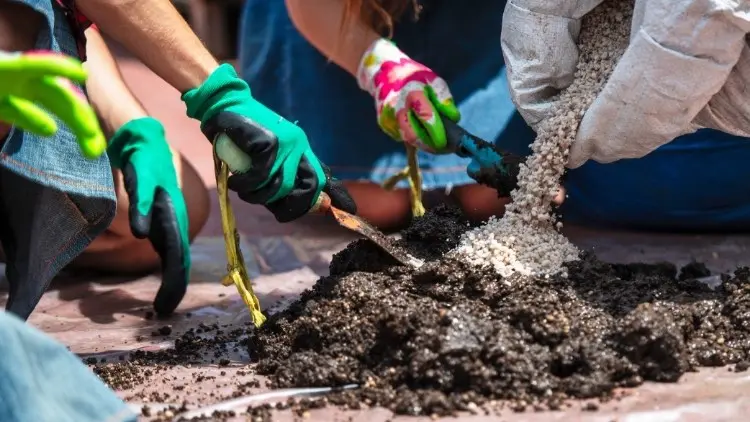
column 157, row 207
column 270, row 156
column 42, row 78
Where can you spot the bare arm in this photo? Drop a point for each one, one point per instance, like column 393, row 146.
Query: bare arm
column 112, row 100
column 154, row 32
column 320, row 22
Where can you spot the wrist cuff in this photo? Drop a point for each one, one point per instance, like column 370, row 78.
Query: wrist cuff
column 380, row 51
column 130, row 136
column 207, row 99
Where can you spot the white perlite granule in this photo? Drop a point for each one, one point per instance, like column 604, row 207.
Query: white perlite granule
column 527, row 239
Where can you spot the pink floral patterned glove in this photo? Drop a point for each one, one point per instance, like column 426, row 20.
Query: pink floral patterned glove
column 409, row 97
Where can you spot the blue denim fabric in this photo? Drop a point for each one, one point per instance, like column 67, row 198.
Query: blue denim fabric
column 53, row 201
column 458, row 40
column 697, row 182
column 42, row 381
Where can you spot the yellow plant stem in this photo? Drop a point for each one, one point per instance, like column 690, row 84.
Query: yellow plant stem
column 236, row 270
column 414, row 175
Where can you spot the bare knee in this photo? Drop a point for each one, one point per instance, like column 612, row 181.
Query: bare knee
column 117, row 250
column 387, row 210
column 130, row 256
column 480, row 202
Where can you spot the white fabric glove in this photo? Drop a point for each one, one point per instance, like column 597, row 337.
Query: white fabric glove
column 687, row 66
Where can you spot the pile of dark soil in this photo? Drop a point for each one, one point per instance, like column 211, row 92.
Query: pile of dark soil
column 446, row 337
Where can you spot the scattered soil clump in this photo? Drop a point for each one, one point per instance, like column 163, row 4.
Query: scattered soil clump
column 448, row 337
column 526, row 240
column 205, row 344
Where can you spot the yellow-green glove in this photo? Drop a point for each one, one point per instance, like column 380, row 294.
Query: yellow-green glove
column 34, row 81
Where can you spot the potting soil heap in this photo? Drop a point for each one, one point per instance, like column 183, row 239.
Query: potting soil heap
column 527, row 239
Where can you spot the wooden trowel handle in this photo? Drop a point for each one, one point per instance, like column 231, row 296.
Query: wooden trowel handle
column 323, row 205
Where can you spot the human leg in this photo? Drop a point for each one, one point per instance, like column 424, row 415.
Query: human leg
column 387, row 209
column 117, row 250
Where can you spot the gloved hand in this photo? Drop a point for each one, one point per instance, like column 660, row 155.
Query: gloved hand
column 687, row 66
column 285, row 174
column 410, row 98
column 44, row 78
column 157, row 207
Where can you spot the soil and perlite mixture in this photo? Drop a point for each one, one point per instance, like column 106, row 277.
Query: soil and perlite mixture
column 448, row 338
column 526, row 240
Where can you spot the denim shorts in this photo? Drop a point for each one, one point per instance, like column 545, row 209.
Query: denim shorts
column 696, row 183
column 53, row 201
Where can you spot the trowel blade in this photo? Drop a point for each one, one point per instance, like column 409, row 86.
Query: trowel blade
column 357, row 224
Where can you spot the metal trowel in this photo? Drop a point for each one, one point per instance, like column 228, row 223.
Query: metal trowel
column 237, row 160
column 359, row 225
